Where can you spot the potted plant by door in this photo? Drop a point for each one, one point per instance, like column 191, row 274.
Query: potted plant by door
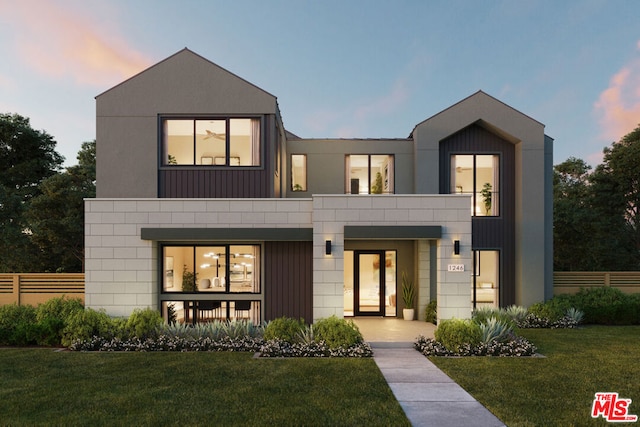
column 408, row 294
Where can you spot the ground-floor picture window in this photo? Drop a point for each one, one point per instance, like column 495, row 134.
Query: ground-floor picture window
column 201, row 283
column 214, row 269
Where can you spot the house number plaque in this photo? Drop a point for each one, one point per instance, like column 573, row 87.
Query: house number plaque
column 455, row 267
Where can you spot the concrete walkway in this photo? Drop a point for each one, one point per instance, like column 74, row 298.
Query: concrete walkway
column 427, row 395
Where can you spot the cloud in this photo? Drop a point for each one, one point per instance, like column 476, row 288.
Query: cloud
column 58, row 41
column 351, row 121
column 384, row 104
column 618, row 106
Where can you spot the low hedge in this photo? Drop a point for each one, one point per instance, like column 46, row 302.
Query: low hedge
column 602, row 305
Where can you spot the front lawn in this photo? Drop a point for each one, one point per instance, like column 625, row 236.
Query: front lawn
column 557, row 390
column 45, row 387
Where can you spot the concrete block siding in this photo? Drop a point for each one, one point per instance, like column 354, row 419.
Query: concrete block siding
column 121, row 268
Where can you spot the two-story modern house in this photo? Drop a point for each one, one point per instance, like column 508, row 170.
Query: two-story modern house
column 208, row 208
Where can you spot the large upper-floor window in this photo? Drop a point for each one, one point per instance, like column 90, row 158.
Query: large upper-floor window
column 369, row 174
column 478, row 175
column 211, row 141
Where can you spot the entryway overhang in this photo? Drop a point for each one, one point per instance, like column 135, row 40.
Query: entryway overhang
column 228, row 234
column 396, row 232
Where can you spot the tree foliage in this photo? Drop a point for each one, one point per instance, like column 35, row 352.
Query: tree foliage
column 56, row 216
column 41, row 207
column 573, row 217
column 27, row 156
column 619, row 178
column 596, row 214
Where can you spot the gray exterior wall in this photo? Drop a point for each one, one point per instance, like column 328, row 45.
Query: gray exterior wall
column 326, row 162
column 127, row 125
column 533, row 269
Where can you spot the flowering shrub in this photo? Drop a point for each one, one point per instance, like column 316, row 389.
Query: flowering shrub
column 532, row 321
column 271, row 348
column 280, row 348
column 516, row 347
column 219, row 336
column 168, row 343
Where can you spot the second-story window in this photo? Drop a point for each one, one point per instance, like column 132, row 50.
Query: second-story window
column 369, row 174
column 211, row 141
column 478, row 175
column 298, row 172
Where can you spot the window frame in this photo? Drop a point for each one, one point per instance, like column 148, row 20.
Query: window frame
column 390, row 178
column 258, row 280
column 305, row 187
column 496, row 191
column 163, row 155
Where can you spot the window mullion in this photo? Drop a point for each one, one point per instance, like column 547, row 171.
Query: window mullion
column 475, row 188
column 195, row 136
column 369, row 173
column 227, row 141
column 227, row 272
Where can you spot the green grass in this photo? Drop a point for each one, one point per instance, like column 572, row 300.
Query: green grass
column 44, row 387
column 557, row 390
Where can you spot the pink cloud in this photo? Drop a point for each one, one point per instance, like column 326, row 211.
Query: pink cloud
column 59, row 41
column 595, row 158
column 618, row 106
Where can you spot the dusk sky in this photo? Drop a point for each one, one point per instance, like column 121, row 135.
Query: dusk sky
column 344, row 68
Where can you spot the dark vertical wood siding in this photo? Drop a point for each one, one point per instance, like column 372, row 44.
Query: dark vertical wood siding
column 288, row 287
column 489, row 233
column 214, row 183
column 218, row 182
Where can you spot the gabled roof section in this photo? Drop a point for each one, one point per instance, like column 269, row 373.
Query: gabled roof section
column 185, row 84
column 480, row 97
column 184, row 52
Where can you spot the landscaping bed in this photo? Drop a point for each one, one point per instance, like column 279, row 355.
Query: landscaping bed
column 497, row 332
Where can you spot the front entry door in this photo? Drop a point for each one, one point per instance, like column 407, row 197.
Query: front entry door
column 369, row 285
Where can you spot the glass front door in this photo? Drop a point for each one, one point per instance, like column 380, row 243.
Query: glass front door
column 370, row 283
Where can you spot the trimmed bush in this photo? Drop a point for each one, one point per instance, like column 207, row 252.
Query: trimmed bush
column 608, row 306
column 284, row 328
column 52, row 317
column 553, row 309
column 453, row 333
column 17, row 325
column 337, row 332
column 431, row 312
column 144, row 323
column 83, row 325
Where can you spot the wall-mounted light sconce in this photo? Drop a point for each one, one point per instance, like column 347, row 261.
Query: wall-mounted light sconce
column 456, row 247
column 327, row 247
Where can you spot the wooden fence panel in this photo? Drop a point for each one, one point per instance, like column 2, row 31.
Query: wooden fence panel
column 570, row 282
column 37, row 288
